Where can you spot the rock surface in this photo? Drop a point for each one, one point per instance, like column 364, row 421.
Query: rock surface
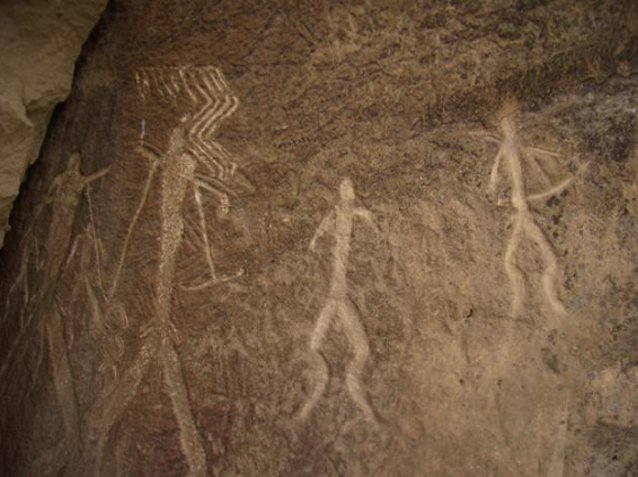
column 40, row 41
column 340, row 238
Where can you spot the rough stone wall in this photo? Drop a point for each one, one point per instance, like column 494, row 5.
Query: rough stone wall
column 40, row 41
column 332, row 238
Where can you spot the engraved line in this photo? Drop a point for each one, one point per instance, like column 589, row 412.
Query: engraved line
column 129, row 233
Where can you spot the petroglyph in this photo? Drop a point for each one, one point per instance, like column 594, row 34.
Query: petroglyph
column 62, row 377
column 69, row 187
column 178, row 169
column 108, row 409
column 120, row 264
column 338, row 304
column 208, row 100
column 524, row 224
column 205, row 96
column 205, row 89
column 64, row 196
column 20, row 282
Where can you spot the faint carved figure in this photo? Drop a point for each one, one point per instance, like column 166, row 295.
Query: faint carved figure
column 339, row 221
column 524, row 223
column 64, row 196
column 21, row 284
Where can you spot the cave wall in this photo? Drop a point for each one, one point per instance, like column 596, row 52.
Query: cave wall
column 40, row 41
column 331, row 238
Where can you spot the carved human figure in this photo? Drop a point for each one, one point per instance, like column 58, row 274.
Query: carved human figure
column 207, row 100
column 524, row 223
column 64, row 196
column 338, row 305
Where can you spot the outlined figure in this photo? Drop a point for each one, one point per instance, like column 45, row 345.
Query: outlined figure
column 338, row 305
column 524, row 225
column 178, row 170
column 207, row 100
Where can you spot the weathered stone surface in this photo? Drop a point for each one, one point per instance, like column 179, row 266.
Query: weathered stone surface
column 302, row 238
column 40, row 40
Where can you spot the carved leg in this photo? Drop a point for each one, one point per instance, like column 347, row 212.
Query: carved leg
column 550, row 275
column 189, row 436
column 359, row 341
column 321, row 367
column 105, row 412
column 515, row 276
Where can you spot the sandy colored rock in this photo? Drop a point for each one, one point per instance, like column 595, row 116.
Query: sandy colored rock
column 331, row 239
column 40, row 41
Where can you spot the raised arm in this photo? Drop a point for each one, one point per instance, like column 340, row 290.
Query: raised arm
column 97, row 175
column 560, row 187
column 366, row 215
column 327, row 222
column 149, row 152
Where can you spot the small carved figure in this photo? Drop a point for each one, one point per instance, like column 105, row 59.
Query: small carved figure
column 524, row 223
column 338, row 304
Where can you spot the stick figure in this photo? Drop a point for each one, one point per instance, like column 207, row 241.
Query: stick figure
column 339, row 305
column 524, row 222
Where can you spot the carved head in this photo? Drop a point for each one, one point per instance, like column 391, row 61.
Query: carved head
column 508, row 116
column 346, row 190
column 74, row 162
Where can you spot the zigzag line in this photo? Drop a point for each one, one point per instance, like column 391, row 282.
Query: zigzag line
column 195, row 85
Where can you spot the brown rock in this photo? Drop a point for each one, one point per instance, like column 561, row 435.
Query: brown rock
column 338, row 238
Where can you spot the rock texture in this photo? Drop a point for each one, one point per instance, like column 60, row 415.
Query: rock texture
column 40, row 41
column 340, row 238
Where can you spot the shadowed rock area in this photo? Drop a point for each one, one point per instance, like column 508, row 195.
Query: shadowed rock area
column 331, row 238
column 40, row 40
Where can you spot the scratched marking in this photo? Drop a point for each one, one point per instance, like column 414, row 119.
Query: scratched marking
column 21, row 282
column 524, row 223
column 338, row 304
